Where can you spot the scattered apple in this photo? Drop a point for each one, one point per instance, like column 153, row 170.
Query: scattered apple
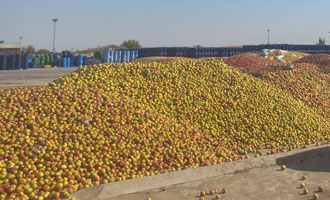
column 321, row 189
column 305, row 191
column 224, row 190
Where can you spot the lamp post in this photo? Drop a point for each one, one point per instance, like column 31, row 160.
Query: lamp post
column 20, row 45
column 54, row 20
column 268, row 36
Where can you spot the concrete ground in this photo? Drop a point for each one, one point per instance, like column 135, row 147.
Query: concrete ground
column 251, row 179
column 255, row 184
column 32, row 77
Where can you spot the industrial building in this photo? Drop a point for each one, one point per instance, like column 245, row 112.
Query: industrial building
column 9, row 47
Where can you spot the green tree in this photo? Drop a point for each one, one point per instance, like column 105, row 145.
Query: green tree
column 29, row 50
column 131, row 44
column 321, row 41
column 42, row 51
column 198, row 46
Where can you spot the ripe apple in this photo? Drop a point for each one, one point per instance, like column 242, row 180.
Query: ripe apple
column 321, row 189
column 305, row 191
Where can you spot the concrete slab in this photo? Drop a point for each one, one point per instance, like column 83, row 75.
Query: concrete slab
column 32, row 77
column 122, row 189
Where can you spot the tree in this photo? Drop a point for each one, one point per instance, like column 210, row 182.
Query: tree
column 131, row 44
column 29, row 50
column 321, row 41
column 42, row 51
column 198, row 46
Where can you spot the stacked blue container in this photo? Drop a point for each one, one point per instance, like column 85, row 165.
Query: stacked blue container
column 64, row 61
column 124, row 56
column 80, row 60
column 3, row 62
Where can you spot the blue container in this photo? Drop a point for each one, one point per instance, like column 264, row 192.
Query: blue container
column 55, row 55
column 3, row 62
column 12, row 59
column 135, row 54
column 129, row 55
column 80, row 60
column 30, row 61
column 120, row 56
column 25, row 61
column 132, row 55
column 71, row 59
column 111, row 56
column 64, row 61
column 115, row 55
column 18, row 61
column 68, row 61
column 124, row 56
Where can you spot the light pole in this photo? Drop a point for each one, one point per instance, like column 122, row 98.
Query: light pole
column 54, row 20
column 20, row 45
column 268, row 36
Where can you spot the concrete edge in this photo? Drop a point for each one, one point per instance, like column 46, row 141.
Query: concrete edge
column 114, row 189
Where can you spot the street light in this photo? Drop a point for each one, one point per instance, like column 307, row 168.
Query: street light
column 54, row 20
column 20, row 45
column 268, row 36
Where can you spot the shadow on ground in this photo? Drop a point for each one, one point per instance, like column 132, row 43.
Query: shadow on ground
column 317, row 160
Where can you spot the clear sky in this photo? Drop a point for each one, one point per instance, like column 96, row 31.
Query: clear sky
column 155, row 23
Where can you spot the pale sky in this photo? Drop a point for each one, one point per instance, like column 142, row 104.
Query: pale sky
column 163, row 23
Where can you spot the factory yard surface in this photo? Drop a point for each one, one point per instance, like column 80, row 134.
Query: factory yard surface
column 32, row 77
column 260, row 183
column 251, row 179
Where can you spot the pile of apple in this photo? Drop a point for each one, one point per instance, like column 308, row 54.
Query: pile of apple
column 307, row 84
column 111, row 122
column 320, row 60
column 253, row 64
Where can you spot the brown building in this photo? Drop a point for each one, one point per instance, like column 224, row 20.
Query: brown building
column 9, row 47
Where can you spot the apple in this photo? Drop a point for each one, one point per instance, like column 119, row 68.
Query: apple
column 320, row 188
